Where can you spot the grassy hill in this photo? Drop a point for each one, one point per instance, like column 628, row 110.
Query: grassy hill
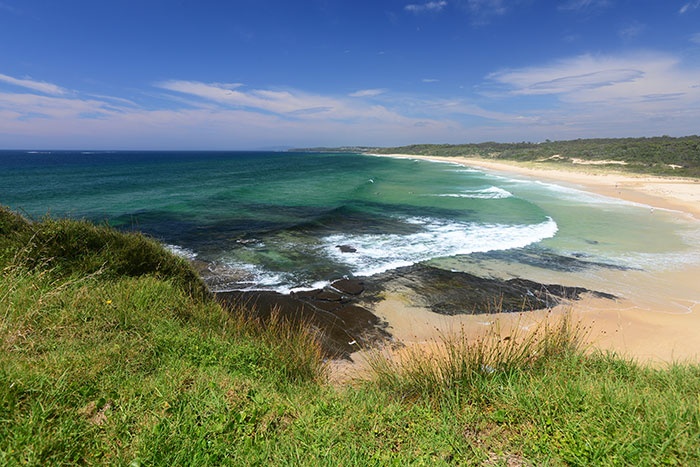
column 113, row 353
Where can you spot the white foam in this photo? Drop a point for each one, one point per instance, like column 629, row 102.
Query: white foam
column 181, row 251
column 492, row 192
column 468, row 171
column 256, row 275
column 315, row 286
column 255, row 278
column 438, row 238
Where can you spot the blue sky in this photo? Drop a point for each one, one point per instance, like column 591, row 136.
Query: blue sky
column 252, row 74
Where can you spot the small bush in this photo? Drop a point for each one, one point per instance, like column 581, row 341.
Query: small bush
column 11, row 222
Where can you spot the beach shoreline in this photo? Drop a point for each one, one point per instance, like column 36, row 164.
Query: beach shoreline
column 676, row 194
column 655, row 319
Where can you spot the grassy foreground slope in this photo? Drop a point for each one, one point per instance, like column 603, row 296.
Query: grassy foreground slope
column 112, row 353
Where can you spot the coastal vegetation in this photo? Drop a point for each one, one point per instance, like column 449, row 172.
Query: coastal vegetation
column 112, row 352
column 663, row 155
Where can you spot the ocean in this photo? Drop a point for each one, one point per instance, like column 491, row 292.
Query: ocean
column 284, row 220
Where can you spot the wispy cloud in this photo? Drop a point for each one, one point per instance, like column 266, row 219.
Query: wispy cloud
column 578, row 5
column 117, row 100
column 486, row 7
column 635, row 92
column 430, row 80
column 277, row 101
column 363, row 112
column 31, row 120
column 565, row 80
column 632, row 30
column 689, row 6
column 595, row 78
column 456, row 107
column 481, row 11
column 6, row 7
column 368, row 93
column 695, row 38
column 434, row 6
column 46, row 88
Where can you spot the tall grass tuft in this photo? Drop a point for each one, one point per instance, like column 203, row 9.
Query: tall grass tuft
column 299, row 342
column 456, row 361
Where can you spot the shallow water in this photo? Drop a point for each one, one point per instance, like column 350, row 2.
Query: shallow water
column 277, row 219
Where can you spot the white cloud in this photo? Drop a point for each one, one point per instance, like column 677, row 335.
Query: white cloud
column 31, row 106
column 565, row 77
column 209, row 115
column 430, row 80
column 46, row 88
column 434, row 6
column 689, row 6
column 206, row 128
column 595, row 78
column 695, row 38
column 368, row 93
column 294, row 105
column 641, row 93
column 289, row 103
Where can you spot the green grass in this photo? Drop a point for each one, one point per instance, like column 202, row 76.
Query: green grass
column 111, row 354
column 544, row 395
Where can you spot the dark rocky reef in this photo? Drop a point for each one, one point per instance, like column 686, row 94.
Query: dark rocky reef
column 345, row 326
column 342, row 312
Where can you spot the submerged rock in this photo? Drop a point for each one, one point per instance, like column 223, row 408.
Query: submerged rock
column 452, row 293
column 349, row 286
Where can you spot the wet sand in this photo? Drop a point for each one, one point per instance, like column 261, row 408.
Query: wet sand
column 656, row 318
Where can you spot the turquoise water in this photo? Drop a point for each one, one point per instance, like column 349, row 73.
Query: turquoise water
column 276, row 220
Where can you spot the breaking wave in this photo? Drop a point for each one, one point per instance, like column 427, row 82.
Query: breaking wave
column 438, row 238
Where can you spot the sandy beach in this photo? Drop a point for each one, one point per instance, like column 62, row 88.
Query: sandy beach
column 656, row 318
column 679, row 194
